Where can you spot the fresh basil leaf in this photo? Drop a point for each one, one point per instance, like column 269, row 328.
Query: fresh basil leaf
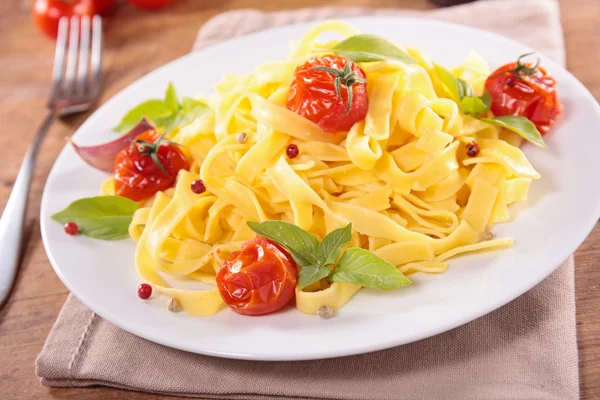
column 521, row 126
column 368, row 48
column 189, row 105
column 332, row 244
column 464, row 88
column 167, row 113
column 473, row 106
column 169, row 123
column 101, row 217
column 487, row 99
column 154, row 110
column 171, row 99
column 361, row 267
column 449, row 81
column 192, row 109
column 476, row 106
column 311, row 274
column 302, row 245
column 463, row 93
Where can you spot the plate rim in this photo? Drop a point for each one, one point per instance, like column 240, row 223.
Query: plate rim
column 583, row 231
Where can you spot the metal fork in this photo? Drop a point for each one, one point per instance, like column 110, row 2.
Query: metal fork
column 76, row 82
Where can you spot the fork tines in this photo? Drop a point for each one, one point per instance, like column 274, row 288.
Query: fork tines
column 78, row 51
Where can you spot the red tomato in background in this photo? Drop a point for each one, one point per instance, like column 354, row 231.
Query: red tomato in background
column 150, row 4
column 531, row 96
column 136, row 175
column 259, row 279
column 312, row 94
column 47, row 13
column 103, row 7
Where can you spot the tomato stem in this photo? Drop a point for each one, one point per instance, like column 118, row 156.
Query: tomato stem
column 347, row 77
column 521, row 68
column 151, row 149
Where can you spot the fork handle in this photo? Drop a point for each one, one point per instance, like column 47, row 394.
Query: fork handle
column 12, row 222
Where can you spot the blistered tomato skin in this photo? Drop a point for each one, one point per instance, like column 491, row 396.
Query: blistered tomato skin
column 313, row 96
column 531, row 96
column 136, row 175
column 259, row 279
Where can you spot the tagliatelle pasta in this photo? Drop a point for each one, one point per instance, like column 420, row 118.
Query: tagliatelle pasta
column 401, row 176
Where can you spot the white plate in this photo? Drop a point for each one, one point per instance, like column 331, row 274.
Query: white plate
column 562, row 208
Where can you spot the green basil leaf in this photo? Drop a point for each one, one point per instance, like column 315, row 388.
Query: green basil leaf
column 361, row 267
column 168, row 123
column 449, row 81
column 521, row 126
column 475, row 106
column 302, row 245
column 487, row 99
column 171, row 99
column 463, row 93
column 167, row 113
column 101, row 217
column 464, row 88
column 332, row 244
column 311, row 274
column 153, row 110
column 192, row 109
column 368, row 48
column 188, row 105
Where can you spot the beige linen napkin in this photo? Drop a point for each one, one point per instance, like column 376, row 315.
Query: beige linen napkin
column 524, row 350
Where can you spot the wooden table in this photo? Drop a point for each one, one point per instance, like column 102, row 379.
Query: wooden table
column 136, row 43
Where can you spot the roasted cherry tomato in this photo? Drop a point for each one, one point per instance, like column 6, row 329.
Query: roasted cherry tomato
column 259, row 279
column 138, row 176
column 313, row 93
column 526, row 90
column 150, row 4
column 47, row 13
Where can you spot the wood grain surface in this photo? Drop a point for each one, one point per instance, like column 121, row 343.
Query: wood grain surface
column 136, row 43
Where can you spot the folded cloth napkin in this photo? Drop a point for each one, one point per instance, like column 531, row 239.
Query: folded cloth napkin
column 524, row 350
